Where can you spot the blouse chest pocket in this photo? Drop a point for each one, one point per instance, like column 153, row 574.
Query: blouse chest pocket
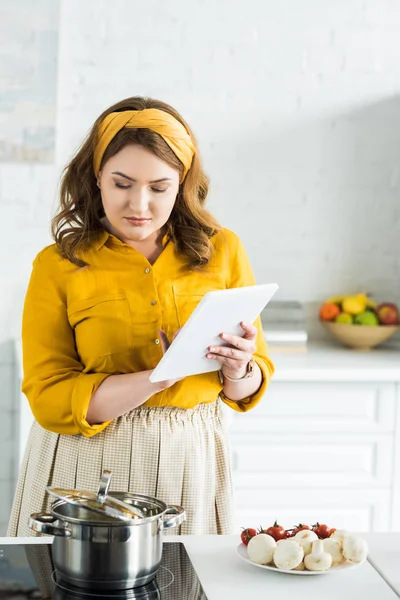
column 185, row 303
column 102, row 325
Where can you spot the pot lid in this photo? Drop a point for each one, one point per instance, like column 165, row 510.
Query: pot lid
column 100, row 502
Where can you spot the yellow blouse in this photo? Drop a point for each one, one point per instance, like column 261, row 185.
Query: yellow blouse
column 82, row 324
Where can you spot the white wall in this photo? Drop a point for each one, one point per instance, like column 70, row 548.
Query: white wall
column 297, row 110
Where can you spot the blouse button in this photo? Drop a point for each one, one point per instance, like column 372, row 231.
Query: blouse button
column 156, row 341
column 147, row 270
column 153, row 302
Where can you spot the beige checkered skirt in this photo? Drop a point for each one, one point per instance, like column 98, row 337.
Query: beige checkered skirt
column 180, row 456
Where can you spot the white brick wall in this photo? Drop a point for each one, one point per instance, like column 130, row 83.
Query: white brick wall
column 296, row 111
column 295, row 104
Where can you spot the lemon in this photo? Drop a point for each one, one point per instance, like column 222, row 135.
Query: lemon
column 355, row 305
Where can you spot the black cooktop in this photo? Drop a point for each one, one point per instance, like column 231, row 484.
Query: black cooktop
column 27, row 573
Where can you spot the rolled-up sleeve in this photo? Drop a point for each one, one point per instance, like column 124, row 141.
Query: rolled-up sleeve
column 54, row 382
column 242, row 275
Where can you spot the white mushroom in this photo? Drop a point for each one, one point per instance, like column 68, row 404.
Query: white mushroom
column 355, row 548
column 299, row 567
column 340, row 534
column 334, row 548
column 318, row 560
column 261, row 548
column 288, row 554
column 305, row 538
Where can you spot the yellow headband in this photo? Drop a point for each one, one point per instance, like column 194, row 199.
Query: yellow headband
column 171, row 130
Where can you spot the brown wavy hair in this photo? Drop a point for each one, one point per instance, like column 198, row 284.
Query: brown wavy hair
column 77, row 223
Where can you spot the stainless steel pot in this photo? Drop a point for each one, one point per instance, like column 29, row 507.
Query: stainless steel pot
column 96, row 551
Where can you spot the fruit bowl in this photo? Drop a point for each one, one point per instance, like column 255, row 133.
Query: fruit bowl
column 359, row 337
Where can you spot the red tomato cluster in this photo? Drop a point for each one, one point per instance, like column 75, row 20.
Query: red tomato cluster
column 280, row 533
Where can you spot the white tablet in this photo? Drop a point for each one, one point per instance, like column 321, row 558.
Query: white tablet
column 218, row 311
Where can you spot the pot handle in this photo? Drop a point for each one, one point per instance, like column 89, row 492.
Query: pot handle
column 43, row 523
column 178, row 516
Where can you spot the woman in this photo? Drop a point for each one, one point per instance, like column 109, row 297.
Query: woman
column 135, row 250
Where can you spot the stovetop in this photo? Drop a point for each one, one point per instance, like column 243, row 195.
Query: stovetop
column 27, row 573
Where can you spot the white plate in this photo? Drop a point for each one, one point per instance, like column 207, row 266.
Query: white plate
column 242, row 551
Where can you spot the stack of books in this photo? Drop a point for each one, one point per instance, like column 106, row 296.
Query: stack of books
column 285, row 326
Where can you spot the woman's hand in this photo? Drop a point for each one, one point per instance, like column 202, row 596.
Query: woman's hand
column 236, row 356
column 165, row 344
column 119, row 394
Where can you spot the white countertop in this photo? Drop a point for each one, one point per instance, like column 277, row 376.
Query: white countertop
column 322, row 362
column 385, row 556
column 325, row 362
column 224, row 575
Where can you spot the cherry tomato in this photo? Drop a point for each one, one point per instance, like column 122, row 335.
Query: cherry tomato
column 247, row 534
column 331, row 531
column 300, row 527
column 289, row 533
column 276, row 531
column 322, row 531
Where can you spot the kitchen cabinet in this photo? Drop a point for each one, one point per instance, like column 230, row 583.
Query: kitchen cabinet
column 323, row 444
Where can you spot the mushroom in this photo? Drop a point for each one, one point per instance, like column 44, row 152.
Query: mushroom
column 334, row 548
column 305, row 538
column 318, row 560
column 288, row 555
column 261, row 548
column 340, row 535
column 355, row 548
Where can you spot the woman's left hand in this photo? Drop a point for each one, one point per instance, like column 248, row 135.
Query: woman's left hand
column 236, row 356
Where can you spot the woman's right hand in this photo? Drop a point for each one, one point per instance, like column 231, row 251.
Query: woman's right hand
column 165, row 344
column 119, row 394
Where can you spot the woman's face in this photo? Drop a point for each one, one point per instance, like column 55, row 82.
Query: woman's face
column 138, row 192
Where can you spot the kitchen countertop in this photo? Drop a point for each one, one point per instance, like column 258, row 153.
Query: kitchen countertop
column 321, row 362
column 385, row 556
column 224, row 575
column 324, row 362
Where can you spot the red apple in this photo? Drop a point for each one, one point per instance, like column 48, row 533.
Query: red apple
column 388, row 313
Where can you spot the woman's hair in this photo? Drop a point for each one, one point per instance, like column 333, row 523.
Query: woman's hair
column 78, row 220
